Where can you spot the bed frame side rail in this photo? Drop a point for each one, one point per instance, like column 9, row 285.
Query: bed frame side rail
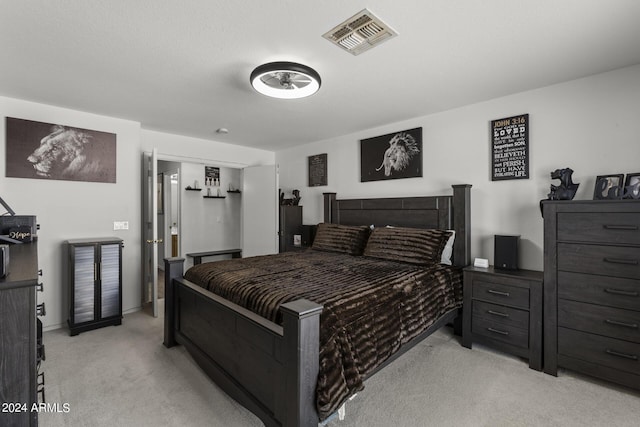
column 269, row 369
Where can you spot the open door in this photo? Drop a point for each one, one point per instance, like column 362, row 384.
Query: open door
column 259, row 210
column 150, row 231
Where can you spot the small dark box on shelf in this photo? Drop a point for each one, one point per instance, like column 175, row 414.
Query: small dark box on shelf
column 505, row 252
column 23, row 228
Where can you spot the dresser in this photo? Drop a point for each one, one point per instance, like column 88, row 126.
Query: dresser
column 592, row 288
column 94, row 278
column 503, row 309
column 21, row 347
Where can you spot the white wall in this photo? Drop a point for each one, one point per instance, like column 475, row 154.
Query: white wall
column 68, row 209
column 590, row 125
column 209, row 224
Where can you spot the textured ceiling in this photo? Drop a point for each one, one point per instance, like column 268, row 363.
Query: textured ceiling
column 183, row 66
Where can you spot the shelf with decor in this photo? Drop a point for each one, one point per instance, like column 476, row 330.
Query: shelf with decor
column 214, row 197
column 193, row 189
column 234, row 191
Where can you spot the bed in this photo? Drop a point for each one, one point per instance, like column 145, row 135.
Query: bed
column 294, row 355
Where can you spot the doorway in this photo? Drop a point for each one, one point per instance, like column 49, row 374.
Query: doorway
column 168, row 216
column 250, row 213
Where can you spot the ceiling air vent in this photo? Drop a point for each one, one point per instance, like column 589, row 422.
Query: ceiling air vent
column 360, row 33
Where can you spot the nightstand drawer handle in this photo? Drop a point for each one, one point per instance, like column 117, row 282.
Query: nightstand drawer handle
column 497, row 313
column 502, row 294
column 620, row 227
column 625, row 355
column 621, row 292
column 626, row 325
column 621, row 261
column 497, row 331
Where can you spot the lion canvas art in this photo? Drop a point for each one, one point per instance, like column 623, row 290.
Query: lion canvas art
column 392, row 156
column 51, row 151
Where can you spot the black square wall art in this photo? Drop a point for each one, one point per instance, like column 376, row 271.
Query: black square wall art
column 51, row 151
column 392, row 156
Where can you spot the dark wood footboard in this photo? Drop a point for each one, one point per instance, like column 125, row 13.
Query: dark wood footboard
column 269, row 369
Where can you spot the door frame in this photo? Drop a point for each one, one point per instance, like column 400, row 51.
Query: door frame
column 150, row 205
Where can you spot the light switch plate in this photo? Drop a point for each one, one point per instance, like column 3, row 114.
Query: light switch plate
column 120, row 225
column 481, row 262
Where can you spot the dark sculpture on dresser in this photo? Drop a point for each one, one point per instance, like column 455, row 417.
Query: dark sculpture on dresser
column 567, row 189
column 295, row 201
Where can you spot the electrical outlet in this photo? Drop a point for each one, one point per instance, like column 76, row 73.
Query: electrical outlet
column 120, row 225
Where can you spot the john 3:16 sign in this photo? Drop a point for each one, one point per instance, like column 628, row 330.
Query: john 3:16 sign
column 510, row 148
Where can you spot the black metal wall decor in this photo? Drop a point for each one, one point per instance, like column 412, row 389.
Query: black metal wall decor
column 53, row 151
column 608, row 187
column 391, row 156
column 567, row 188
column 510, row 148
column 318, row 170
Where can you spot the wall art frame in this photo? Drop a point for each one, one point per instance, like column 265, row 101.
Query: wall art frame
column 317, row 170
column 40, row 150
column 632, row 186
column 392, row 156
column 608, row 187
column 510, row 148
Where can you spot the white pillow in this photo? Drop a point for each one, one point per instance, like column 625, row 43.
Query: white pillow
column 448, row 249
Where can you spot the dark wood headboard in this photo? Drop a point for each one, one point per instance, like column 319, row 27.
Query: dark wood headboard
column 444, row 212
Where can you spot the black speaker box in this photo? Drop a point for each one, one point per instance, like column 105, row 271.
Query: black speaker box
column 505, row 252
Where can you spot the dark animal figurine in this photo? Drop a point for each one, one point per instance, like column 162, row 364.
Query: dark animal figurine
column 567, row 189
column 290, row 202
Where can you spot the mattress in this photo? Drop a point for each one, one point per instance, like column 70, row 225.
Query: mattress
column 371, row 306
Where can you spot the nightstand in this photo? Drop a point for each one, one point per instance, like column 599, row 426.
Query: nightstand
column 503, row 309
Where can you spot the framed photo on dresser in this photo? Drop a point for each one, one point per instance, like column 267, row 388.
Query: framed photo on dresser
column 608, row 187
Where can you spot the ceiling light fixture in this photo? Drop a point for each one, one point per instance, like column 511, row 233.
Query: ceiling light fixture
column 286, row 80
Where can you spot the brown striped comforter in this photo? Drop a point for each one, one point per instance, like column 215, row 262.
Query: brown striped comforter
column 371, row 306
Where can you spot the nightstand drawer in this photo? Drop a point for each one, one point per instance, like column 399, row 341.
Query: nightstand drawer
column 616, row 261
column 599, row 227
column 490, row 291
column 609, row 291
column 617, row 354
column 501, row 332
column 501, row 314
column 607, row 321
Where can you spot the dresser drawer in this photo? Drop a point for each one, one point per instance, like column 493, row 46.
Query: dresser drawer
column 616, row 261
column 616, row 354
column 600, row 227
column 501, row 332
column 490, row 291
column 607, row 321
column 501, row 314
column 609, row 291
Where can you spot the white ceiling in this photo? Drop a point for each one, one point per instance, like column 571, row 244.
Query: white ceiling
column 183, row 66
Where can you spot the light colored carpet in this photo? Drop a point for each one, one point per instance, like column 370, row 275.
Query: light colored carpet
column 124, row 376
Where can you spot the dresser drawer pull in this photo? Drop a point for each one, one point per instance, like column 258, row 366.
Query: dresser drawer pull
column 626, row 325
column 621, row 261
column 497, row 313
column 620, row 227
column 497, row 331
column 502, row 294
column 624, row 355
column 621, row 292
